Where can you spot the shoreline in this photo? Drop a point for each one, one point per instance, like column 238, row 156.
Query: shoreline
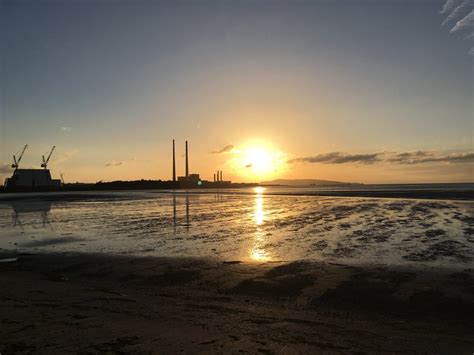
column 442, row 195
column 90, row 303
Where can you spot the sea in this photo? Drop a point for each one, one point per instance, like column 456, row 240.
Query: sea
column 252, row 225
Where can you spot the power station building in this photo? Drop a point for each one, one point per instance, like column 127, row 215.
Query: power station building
column 194, row 180
column 188, row 179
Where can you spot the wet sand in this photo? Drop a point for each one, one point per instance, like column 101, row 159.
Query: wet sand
column 88, row 304
column 255, row 227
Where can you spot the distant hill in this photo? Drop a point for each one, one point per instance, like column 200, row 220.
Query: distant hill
column 306, row 182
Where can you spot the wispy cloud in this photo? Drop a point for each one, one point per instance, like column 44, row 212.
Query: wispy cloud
column 432, row 157
column 457, row 12
column 64, row 156
column 449, row 5
column 406, row 158
column 114, row 163
column 227, row 149
column 465, row 23
column 5, row 169
column 338, row 158
column 66, row 129
column 461, row 11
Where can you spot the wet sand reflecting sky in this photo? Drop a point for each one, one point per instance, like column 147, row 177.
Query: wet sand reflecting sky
column 251, row 228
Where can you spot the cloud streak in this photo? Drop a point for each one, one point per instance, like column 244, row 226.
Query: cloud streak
column 449, row 5
column 338, row 158
column 427, row 157
column 458, row 11
column 114, row 163
column 404, row 158
column 63, row 157
column 463, row 12
column 227, row 149
column 465, row 23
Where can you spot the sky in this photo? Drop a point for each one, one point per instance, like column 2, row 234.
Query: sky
column 370, row 91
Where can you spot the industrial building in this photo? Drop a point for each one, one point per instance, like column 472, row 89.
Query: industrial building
column 218, row 177
column 188, row 179
column 194, row 180
column 31, row 179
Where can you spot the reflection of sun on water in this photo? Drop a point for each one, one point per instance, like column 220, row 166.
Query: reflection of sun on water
column 259, row 205
column 259, row 190
column 258, row 253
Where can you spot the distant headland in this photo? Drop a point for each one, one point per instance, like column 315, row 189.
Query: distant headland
column 307, row 183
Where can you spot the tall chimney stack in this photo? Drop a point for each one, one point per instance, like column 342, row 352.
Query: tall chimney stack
column 214, row 177
column 187, row 166
column 220, row 176
column 174, row 163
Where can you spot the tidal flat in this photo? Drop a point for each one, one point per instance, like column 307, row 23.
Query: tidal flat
column 255, row 227
column 167, row 272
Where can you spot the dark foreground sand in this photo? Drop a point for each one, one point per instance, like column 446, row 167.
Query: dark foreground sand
column 88, row 304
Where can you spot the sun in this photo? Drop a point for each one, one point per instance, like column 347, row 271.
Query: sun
column 258, row 160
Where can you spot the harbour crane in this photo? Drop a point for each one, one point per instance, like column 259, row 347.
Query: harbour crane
column 46, row 161
column 16, row 162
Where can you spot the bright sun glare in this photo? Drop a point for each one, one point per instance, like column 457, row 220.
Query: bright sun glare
column 258, row 160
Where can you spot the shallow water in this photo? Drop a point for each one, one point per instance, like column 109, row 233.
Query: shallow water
column 247, row 227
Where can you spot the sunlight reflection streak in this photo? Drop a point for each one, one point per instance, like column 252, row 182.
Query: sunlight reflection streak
column 258, row 252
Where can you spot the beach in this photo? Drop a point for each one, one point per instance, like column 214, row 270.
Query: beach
column 90, row 304
column 154, row 272
column 236, row 177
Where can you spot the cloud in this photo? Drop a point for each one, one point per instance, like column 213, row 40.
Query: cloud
column 449, row 5
column 114, row 163
column 405, row 158
column 63, row 156
column 432, row 157
column 248, row 165
column 339, row 158
column 458, row 12
column 464, row 23
column 66, row 129
column 228, row 148
column 463, row 12
column 5, row 169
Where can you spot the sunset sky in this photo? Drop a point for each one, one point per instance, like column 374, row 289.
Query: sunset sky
column 374, row 91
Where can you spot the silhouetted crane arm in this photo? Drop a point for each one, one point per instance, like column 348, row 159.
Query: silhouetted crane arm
column 17, row 162
column 45, row 162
